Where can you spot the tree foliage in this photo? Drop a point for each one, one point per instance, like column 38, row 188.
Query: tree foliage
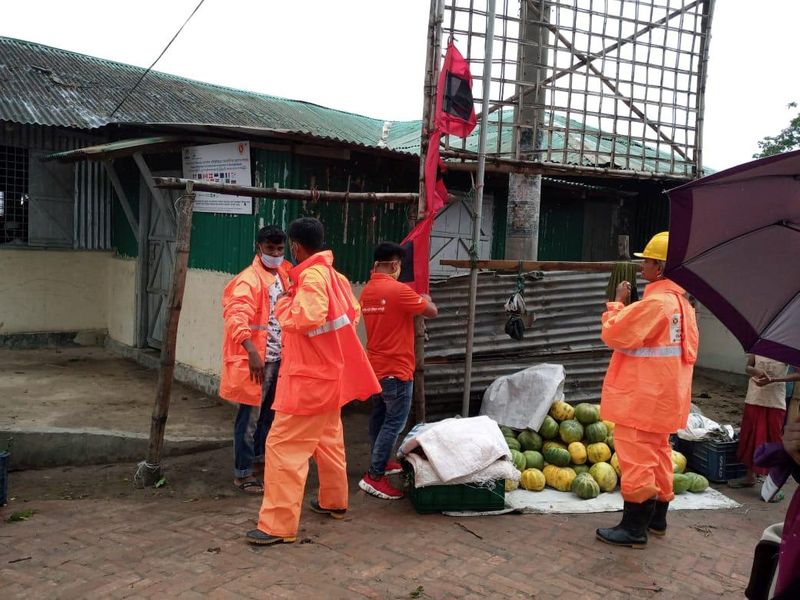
column 787, row 139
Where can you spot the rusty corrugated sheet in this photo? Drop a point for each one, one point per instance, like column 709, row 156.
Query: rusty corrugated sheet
column 566, row 331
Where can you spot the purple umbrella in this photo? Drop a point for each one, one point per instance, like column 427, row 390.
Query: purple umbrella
column 735, row 245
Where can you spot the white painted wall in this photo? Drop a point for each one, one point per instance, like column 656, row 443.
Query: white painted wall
column 122, row 299
column 53, row 290
column 718, row 348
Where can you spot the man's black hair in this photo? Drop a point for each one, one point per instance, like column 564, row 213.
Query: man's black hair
column 308, row 232
column 386, row 251
column 271, row 233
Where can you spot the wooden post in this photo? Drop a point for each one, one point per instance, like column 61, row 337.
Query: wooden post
column 623, row 247
column 150, row 471
column 428, row 109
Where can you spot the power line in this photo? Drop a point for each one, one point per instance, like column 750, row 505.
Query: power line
column 189, row 18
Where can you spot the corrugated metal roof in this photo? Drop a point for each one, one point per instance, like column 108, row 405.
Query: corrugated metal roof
column 566, row 331
column 48, row 86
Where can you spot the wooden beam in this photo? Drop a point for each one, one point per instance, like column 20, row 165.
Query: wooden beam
column 123, row 198
column 175, row 183
column 532, row 265
column 160, row 199
column 509, row 165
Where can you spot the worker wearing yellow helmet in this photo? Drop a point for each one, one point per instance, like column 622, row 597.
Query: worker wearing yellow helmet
column 647, row 392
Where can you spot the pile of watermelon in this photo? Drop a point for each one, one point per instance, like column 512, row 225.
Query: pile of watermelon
column 573, row 451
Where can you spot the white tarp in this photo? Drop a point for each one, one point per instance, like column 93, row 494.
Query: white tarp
column 553, row 501
column 459, row 447
column 425, row 475
column 521, row 400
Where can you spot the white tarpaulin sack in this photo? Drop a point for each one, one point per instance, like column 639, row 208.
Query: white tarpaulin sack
column 521, row 400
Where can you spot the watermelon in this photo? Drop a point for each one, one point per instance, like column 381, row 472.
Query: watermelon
column 511, row 485
column 609, row 425
column 518, row 458
column 681, row 483
column 605, row 476
column 577, row 453
column 507, row 431
column 698, row 483
column 678, row 462
column 614, row 462
column 557, row 456
column 530, row 440
column 564, row 478
column 585, row 487
column 549, row 428
column 532, row 480
column 513, row 443
column 596, row 432
column 598, row 452
column 579, row 468
column 533, row 459
column 553, row 444
column 610, row 441
column 570, row 431
column 561, row 411
column 587, row 413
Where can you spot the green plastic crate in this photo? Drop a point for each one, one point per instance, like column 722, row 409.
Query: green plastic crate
column 456, row 498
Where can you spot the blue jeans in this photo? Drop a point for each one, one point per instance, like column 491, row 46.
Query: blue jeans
column 389, row 414
column 252, row 425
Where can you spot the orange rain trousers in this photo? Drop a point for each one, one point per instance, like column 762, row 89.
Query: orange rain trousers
column 645, row 462
column 292, row 440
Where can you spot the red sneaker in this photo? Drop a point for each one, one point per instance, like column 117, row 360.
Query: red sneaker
column 393, row 467
column 380, row 488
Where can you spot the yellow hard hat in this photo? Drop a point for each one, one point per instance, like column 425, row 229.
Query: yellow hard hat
column 656, row 248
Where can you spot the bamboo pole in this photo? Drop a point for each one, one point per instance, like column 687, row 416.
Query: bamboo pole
column 486, row 84
column 532, row 265
column 150, row 471
column 175, row 183
column 532, row 167
column 418, row 405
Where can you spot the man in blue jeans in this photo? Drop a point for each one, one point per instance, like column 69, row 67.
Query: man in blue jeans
column 389, row 308
column 251, row 353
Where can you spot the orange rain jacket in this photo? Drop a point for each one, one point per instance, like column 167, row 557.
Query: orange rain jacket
column 648, row 385
column 245, row 310
column 324, row 365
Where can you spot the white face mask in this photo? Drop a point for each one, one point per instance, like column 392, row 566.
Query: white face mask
column 271, row 262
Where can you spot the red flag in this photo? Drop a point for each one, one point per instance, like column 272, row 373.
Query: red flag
column 455, row 106
column 415, row 267
column 435, row 190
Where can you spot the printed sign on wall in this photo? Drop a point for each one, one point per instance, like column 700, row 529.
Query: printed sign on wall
column 220, row 163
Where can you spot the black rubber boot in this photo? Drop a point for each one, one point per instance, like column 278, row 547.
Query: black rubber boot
column 632, row 530
column 658, row 522
column 765, row 562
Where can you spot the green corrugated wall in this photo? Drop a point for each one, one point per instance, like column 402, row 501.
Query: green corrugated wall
column 222, row 242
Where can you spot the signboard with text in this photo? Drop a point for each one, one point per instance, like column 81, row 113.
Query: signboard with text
column 220, row 163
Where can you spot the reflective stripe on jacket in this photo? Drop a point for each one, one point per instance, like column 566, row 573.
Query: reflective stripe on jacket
column 245, row 311
column 324, row 365
column 648, row 385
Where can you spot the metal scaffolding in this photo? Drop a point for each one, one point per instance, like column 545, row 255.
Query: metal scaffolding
column 576, row 84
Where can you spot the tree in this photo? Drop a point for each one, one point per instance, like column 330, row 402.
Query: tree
column 787, row 139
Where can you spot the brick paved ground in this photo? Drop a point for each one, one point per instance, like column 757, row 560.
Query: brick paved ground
column 185, row 542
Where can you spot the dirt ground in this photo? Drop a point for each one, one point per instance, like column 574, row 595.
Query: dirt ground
column 722, row 402
column 87, row 387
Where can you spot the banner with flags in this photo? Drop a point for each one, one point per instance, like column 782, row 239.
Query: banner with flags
column 454, row 115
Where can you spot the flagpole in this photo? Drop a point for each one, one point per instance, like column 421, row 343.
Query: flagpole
column 478, row 207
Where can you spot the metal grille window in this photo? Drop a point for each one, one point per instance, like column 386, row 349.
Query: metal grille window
column 14, row 200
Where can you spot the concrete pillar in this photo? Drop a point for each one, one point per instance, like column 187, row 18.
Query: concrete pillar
column 525, row 191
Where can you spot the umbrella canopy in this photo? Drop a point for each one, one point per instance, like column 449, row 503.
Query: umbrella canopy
column 735, row 245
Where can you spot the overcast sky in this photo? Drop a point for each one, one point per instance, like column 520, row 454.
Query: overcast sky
column 367, row 56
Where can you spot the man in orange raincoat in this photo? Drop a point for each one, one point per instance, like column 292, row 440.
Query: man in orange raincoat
column 251, row 352
column 325, row 367
column 647, row 392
